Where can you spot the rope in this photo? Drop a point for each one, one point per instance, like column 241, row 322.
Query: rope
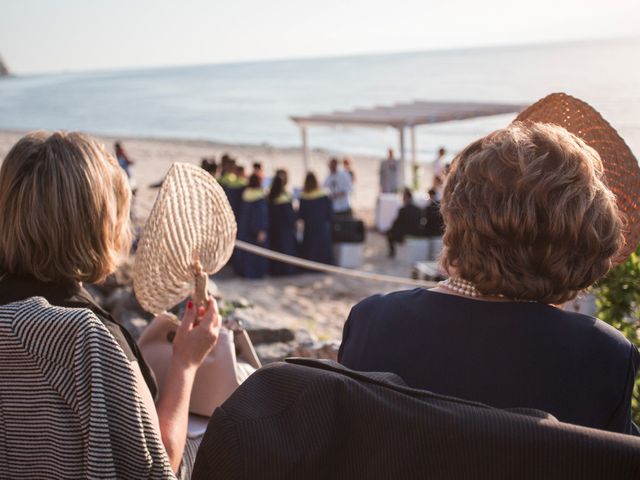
column 323, row 267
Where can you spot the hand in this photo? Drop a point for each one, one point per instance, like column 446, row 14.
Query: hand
column 197, row 334
column 262, row 236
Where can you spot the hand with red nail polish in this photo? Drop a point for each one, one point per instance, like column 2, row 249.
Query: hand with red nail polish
column 197, row 334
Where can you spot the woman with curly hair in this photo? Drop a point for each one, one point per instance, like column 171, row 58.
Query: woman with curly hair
column 529, row 223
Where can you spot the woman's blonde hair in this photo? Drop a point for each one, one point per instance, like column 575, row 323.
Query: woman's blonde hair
column 64, row 209
column 528, row 216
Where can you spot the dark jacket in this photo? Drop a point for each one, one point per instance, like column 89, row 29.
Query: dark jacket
column 314, row 419
column 409, row 222
column 434, row 224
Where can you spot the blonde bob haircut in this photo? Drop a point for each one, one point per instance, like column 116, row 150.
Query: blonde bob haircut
column 528, row 216
column 64, row 209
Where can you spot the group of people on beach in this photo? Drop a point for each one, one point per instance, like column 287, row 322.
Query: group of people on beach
column 529, row 223
column 267, row 216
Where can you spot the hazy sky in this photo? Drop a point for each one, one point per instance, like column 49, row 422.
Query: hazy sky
column 55, row 35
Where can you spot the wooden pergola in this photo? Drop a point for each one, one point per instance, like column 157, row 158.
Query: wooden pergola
column 401, row 116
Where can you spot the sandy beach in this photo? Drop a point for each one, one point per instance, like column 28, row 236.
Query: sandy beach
column 319, row 303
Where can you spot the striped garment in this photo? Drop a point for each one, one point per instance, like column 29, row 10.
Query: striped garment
column 69, row 406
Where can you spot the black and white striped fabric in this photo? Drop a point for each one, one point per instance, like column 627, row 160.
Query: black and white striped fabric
column 69, row 407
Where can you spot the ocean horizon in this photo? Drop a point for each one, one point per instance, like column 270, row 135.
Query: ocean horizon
column 250, row 102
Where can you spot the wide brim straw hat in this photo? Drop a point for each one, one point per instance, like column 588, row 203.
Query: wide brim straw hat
column 189, row 234
column 621, row 169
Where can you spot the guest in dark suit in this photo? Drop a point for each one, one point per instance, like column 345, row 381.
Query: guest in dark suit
column 434, row 227
column 282, row 225
column 253, row 227
column 316, row 212
column 409, row 222
column 529, row 223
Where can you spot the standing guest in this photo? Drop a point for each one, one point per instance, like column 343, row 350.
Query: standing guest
column 389, row 174
column 253, row 227
column 348, row 167
column 439, row 163
column 282, row 225
column 241, row 176
column 338, row 183
column 209, row 165
column 259, row 171
column 529, row 224
column 123, row 159
column 438, row 187
column 409, row 222
column 64, row 222
column 434, row 227
column 227, row 170
column 316, row 213
column 125, row 163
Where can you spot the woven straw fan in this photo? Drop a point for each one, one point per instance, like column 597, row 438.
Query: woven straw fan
column 621, row 170
column 189, row 235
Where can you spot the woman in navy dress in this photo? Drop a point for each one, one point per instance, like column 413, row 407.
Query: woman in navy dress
column 253, row 227
column 282, row 225
column 316, row 212
column 528, row 224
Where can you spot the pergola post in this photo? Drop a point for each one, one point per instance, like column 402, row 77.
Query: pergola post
column 305, row 148
column 414, row 160
column 403, row 158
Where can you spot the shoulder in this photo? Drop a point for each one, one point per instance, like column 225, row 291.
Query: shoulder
column 38, row 325
column 598, row 334
column 381, row 304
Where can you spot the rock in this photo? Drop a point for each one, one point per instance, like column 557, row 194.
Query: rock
column 134, row 324
column 118, row 298
column 304, row 338
column 4, row 71
column 273, row 352
column 268, row 335
column 325, row 350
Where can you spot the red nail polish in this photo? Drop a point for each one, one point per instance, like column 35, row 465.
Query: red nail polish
column 189, row 305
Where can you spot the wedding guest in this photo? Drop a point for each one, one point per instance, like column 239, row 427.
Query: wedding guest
column 389, row 174
column 316, row 213
column 434, row 226
column 282, row 225
column 253, row 227
column 64, row 222
column 339, row 186
column 409, row 222
column 529, row 224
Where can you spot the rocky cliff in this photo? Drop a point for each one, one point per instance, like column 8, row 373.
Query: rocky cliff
column 4, row 71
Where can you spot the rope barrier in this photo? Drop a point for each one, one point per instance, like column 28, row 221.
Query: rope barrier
column 323, row 267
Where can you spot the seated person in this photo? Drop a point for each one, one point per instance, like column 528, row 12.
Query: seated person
column 64, row 220
column 409, row 222
column 529, row 224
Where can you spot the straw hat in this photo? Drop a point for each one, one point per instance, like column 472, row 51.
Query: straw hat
column 622, row 173
column 190, row 233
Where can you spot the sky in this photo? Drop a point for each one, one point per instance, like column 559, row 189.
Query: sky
column 75, row 35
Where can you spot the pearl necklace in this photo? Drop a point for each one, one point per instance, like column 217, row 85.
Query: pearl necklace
column 461, row 286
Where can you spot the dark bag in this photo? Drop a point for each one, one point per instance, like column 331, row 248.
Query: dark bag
column 348, row 230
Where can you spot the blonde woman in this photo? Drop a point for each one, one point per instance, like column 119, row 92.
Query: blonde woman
column 64, row 210
column 529, row 223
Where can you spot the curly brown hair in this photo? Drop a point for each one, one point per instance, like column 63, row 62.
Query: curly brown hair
column 528, row 215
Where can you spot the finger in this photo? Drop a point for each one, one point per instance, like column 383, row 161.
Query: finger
column 211, row 318
column 189, row 316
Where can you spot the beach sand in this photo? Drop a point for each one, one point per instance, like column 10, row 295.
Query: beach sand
column 319, row 303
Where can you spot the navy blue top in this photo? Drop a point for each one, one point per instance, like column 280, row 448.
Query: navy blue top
column 316, row 213
column 504, row 354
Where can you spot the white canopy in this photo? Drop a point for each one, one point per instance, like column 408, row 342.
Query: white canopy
column 401, row 116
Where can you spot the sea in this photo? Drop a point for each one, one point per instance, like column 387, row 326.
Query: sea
column 251, row 102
